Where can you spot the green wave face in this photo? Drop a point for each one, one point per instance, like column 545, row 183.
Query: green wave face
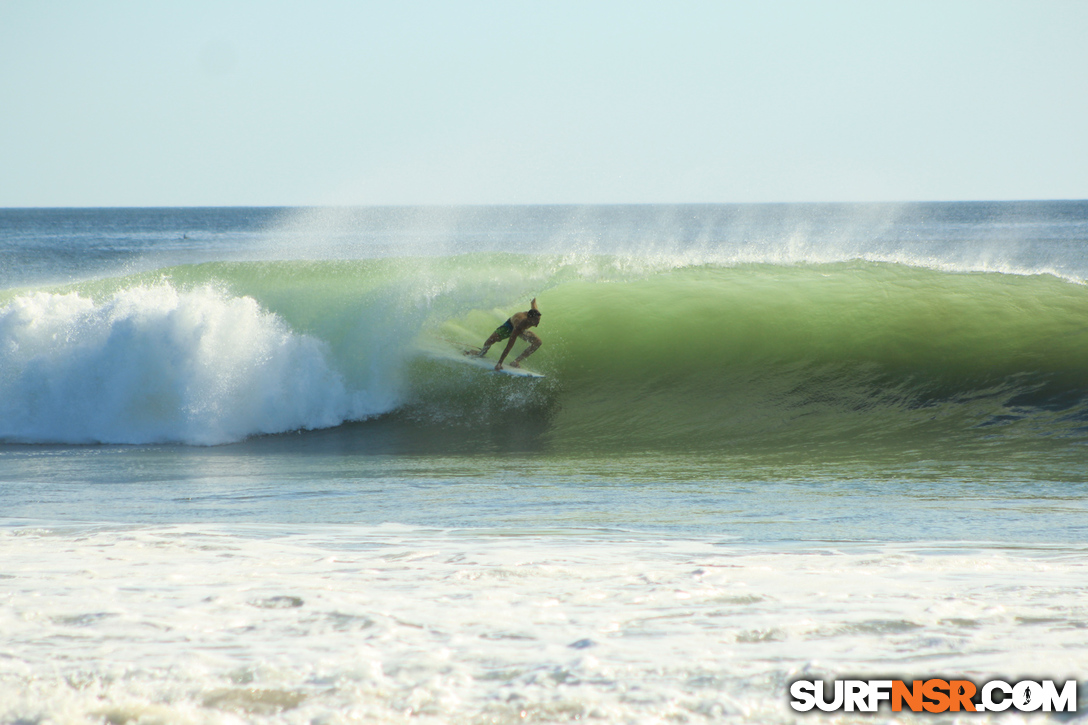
column 826, row 355
column 659, row 355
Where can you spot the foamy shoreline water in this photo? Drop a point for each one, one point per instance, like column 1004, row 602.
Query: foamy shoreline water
column 260, row 623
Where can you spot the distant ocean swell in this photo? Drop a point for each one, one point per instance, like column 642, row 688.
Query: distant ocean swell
column 639, row 354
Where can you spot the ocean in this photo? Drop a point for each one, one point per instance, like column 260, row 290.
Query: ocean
column 244, row 477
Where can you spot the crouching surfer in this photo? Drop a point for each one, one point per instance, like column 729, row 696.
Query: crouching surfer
column 517, row 326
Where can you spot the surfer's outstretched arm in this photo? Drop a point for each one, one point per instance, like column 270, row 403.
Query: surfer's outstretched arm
column 509, row 347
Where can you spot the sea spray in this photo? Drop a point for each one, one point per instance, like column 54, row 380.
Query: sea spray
column 151, row 363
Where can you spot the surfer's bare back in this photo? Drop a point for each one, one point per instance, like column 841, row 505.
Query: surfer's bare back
column 517, row 326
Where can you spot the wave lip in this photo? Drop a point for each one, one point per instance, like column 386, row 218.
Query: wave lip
column 153, row 364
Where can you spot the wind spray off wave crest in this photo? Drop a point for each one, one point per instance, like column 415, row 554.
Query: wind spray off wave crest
column 155, row 364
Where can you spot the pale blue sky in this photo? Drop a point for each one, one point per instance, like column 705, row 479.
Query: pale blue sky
column 237, row 103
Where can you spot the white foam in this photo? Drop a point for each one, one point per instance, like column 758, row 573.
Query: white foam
column 213, row 624
column 155, row 364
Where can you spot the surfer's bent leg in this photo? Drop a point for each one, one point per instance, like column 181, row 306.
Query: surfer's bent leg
column 487, row 345
column 534, row 343
column 501, row 333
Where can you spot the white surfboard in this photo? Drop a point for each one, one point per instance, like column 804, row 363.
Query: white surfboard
column 507, row 369
column 458, row 355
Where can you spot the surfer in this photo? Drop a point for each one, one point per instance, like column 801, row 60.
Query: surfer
column 517, row 326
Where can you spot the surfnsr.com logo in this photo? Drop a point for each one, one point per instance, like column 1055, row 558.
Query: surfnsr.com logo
column 934, row 695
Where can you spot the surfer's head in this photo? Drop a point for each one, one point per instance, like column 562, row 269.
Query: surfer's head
column 533, row 313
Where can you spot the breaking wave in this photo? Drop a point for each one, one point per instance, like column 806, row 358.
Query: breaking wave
column 638, row 354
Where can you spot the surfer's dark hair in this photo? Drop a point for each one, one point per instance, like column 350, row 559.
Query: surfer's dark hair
column 534, row 313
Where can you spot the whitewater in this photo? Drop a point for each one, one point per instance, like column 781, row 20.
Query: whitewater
column 244, row 478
